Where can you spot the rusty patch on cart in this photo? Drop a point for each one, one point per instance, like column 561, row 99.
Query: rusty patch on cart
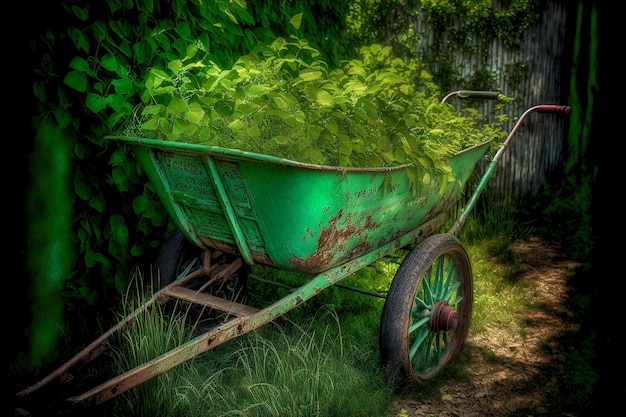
column 335, row 239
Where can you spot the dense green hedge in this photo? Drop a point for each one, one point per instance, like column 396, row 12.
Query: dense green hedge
column 89, row 59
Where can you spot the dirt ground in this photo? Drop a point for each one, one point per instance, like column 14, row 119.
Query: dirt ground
column 509, row 374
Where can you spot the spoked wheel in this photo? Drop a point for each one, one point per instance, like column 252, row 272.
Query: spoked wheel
column 427, row 312
column 178, row 258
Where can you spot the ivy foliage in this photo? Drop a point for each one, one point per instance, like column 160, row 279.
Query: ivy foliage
column 90, row 60
column 282, row 99
column 456, row 27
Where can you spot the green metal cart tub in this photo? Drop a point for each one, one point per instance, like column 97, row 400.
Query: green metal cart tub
column 286, row 214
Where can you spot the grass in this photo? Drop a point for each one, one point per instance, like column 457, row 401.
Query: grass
column 320, row 359
column 308, row 368
column 497, row 300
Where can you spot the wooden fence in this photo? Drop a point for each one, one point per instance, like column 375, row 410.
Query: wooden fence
column 536, row 149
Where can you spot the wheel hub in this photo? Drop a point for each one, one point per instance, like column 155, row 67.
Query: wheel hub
column 443, row 317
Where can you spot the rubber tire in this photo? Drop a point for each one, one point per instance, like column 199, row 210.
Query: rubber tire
column 408, row 287
column 174, row 256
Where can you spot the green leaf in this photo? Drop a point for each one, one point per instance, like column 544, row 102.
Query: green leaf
column 355, row 87
column 145, row 6
column 195, row 113
column 92, row 258
column 109, row 62
column 253, row 132
column 121, row 28
column 281, row 140
column 100, row 31
column 316, row 156
column 361, row 114
column 79, row 63
column 80, row 39
column 177, row 105
column 143, row 51
column 76, row 80
column 82, row 190
column 296, row 20
column 137, row 250
column 254, row 90
column 235, row 125
column 284, row 100
column 63, row 117
column 175, row 65
column 98, row 203
column 123, row 86
column 80, row 150
column 406, row 89
column 81, row 13
column 155, row 78
column 325, row 99
column 126, row 49
column 140, row 203
column 230, row 15
column 191, row 51
column 119, row 230
column 245, row 109
column 152, row 124
column 443, row 187
column 39, row 90
column 113, row 120
column 223, row 108
column 154, row 109
column 179, row 127
column 118, row 103
column 399, row 155
column 118, row 175
column 425, row 162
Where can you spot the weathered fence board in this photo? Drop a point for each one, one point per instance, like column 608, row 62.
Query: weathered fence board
column 537, row 149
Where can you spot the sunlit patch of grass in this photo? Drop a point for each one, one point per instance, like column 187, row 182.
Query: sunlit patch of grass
column 498, row 301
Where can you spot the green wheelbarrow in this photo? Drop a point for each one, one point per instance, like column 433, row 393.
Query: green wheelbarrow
column 235, row 210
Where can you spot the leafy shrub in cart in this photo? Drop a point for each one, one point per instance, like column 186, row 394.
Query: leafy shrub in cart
column 283, row 100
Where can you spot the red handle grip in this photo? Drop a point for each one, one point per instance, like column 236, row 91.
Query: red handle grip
column 553, row 108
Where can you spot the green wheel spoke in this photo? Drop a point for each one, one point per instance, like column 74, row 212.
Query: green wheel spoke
column 428, row 347
column 420, row 323
column 420, row 305
column 439, row 275
column 423, row 334
column 428, row 294
column 451, row 291
column 430, row 355
column 451, row 273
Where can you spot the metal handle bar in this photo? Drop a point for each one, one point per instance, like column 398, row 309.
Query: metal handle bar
column 476, row 95
column 542, row 108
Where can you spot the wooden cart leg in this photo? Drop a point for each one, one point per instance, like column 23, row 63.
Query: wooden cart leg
column 95, row 348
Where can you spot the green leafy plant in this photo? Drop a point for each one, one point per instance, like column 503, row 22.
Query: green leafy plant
column 282, row 99
column 90, row 63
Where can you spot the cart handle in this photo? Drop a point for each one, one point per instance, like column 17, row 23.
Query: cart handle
column 553, row 108
column 541, row 108
column 476, row 95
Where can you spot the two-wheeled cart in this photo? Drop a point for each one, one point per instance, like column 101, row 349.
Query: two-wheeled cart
column 236, row 209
